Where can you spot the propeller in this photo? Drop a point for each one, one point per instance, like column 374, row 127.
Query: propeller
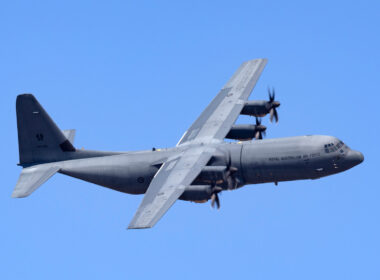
column 273, row 105
column 214, row 197
column 232, row 183
column 260, row 129
column 232, row 180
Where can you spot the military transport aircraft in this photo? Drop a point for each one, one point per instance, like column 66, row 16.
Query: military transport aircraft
column 200, row 166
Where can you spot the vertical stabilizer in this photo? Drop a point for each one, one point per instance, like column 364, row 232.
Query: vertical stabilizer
column 39, row 138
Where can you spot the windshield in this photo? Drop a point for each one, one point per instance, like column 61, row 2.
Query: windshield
column 333, row 147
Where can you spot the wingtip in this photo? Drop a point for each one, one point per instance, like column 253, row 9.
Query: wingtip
column 138, row 227
column 18, row 195
column 258, row 59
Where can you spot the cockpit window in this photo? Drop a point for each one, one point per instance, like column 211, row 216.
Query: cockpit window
column 332, row 147
column 339, row 145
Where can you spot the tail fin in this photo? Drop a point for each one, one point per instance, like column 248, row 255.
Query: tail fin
column 39, row 138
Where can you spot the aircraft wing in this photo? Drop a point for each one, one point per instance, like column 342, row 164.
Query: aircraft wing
column 212, row 126
column 216, row 120
column 168, row 185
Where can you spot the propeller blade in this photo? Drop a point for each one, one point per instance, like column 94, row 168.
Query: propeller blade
column 230, row 169
column 257, row 135
column 275, row 114
column 237, row 181
column 270, row 95
column 258, row 121
column 271, row 112
column 231, row 182
column 215, row 200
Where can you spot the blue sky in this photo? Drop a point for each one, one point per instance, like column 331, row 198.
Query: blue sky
column 131, row 76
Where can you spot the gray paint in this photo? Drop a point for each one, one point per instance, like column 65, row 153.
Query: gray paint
column 197, row 168
column 260, row 161
column 258, row 108
column 216, row 120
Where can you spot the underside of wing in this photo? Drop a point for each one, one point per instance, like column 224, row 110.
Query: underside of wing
column 168, row 185
column 216, row 120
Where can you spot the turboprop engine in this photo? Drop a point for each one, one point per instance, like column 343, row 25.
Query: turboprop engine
column 202, row 193
column 260, row 108
column 245, row 132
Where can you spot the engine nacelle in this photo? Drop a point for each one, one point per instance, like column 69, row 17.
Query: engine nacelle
column 245, row 132
column 256, row 108
column 210, row 174
column 197, row 193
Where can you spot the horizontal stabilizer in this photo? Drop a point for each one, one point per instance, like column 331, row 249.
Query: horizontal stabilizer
column 69, row 134
column 33, row 177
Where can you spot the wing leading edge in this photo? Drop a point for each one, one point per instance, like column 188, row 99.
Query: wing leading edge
column 216, row 120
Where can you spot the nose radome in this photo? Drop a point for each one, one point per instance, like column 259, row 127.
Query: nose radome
column 361, row 157
column 356, row 157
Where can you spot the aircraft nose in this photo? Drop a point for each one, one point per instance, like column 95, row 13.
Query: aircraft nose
column 361, row 157
column 355, row 157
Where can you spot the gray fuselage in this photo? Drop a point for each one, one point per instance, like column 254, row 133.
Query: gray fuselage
column 261, row 161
